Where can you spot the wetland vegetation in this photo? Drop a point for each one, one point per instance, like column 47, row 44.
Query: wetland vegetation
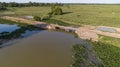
column 108, row 54
column 107, row 51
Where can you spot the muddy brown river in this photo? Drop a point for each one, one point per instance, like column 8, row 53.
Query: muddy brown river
column 44, row 49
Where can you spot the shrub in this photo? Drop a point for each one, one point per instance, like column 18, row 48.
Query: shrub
column 56, row 10
column 3, row 8
column 36, row 18
column 45, row 17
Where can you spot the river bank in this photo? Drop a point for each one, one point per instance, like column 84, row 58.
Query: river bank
column 54, row 26
column 85, row 32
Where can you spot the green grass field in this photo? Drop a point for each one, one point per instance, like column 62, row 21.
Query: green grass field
column 110, row 40
column 106, row 15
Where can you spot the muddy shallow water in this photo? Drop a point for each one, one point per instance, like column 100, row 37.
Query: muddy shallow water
column 44, row 49
column 106, row 29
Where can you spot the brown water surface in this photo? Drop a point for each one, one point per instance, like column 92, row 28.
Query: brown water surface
column 44, row 49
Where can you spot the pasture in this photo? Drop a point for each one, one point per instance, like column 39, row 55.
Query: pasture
column 105, row 15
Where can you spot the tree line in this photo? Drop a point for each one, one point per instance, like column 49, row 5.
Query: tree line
column 3, row 5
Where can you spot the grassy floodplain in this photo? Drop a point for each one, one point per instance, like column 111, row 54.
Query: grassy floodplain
column 106, row 15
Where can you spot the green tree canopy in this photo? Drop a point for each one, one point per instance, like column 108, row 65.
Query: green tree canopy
column 56, row 10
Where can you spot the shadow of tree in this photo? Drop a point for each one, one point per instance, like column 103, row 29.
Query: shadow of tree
column 67, row 12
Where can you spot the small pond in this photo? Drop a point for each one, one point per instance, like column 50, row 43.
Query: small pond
column 106, row 29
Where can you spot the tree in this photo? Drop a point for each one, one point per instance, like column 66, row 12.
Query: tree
column 2, row 7
column 12, row 4
column 36, row 18
column 29, row 4
column 56, row 10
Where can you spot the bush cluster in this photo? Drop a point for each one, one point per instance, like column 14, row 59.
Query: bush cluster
column 41, row 18
column 2, row 8
column 56, row 10
column 36, row 18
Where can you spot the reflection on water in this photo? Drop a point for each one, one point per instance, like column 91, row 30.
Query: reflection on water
column 29, row 33
column 8, row 28
column 10, row 32
column 44, row 49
